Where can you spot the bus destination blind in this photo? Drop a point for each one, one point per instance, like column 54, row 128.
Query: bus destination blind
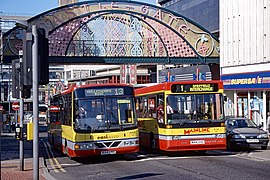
column 183, row 88
column 104, row 92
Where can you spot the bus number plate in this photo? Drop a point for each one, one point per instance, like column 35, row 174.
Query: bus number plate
column 107, row 152
column 197, row 142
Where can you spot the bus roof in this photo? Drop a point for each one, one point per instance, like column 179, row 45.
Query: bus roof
column 93, row 85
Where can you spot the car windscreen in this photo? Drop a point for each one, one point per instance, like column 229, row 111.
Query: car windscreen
column 241, row 123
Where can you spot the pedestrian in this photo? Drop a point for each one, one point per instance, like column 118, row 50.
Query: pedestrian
column 268, row 124
column 169, row 111
column 160, row 111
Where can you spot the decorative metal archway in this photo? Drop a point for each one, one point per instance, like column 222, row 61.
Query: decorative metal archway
column 119, row 32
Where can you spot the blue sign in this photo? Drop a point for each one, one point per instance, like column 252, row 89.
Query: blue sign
column 202, row 76
column 172, row 78
column 194, row 77
column 257, row 80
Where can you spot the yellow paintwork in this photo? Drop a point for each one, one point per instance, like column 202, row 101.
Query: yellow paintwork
column 113, row 135
column 68, row 133
column 29, row 131
column 150, row 125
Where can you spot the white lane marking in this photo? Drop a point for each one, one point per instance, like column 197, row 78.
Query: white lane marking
column 77, row 164
column 175, row 158
column 250, row 156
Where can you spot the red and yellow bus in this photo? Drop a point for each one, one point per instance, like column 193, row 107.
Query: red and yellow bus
column 91, row 120
column 181, row 116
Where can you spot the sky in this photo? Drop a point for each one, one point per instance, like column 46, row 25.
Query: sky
column 34, row 7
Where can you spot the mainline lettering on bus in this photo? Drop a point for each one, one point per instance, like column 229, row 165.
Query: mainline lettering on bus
column 196, row 130
column 108, row 137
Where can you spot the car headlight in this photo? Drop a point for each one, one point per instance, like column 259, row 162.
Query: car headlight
column 262, row 136
column 239, row 136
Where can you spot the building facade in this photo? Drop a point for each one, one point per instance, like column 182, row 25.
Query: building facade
column 245, row 57
column 243, row 27
column 203, row 12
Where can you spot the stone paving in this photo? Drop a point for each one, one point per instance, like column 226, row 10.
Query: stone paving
column 10, row 160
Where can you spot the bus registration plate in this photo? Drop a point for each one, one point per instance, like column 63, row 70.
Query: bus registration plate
column 107, row 152
column 197, row 142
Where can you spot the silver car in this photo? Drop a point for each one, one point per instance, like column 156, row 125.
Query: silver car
column 243, row 132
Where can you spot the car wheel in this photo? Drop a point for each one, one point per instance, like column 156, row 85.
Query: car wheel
column 229, row 145
column 264, row 147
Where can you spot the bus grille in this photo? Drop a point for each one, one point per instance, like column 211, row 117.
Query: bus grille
column 108, row 144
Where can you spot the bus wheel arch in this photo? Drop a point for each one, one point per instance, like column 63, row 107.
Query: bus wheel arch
column 152, row 141
column 65, row 147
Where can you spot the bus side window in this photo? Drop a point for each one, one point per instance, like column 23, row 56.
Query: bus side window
column 138, row 106
column 160, row 108
column 152, row 107
column 145, row 112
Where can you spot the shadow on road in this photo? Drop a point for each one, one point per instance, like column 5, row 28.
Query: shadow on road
column 139, row 176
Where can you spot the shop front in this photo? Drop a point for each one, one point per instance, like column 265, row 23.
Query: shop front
column 248, row 95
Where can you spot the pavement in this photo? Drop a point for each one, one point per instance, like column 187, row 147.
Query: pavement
column 10, row 160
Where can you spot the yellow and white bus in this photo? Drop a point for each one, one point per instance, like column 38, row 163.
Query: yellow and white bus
column 181, row 116
column 92, row 120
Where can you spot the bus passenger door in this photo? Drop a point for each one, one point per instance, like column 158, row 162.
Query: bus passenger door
column 54, row 126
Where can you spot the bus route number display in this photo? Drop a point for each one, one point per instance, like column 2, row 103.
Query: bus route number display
column 104, row 92
column 182, row 88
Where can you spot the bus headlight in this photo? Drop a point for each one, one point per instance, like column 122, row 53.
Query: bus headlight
column 130, row 143
column 83, row 146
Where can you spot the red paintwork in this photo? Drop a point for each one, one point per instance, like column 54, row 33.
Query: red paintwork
column 184, row 145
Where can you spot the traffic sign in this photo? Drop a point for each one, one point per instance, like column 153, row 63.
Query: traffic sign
column 16, row 106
